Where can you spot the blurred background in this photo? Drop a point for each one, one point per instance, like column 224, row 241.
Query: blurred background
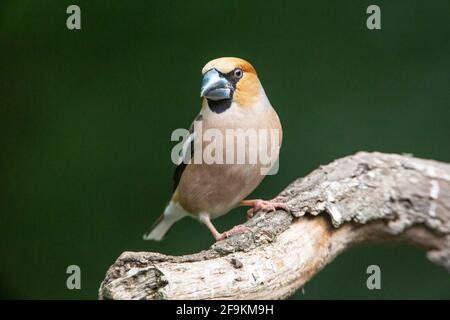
column 86, row 118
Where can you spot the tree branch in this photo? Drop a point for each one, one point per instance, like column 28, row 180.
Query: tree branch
column 367, row 197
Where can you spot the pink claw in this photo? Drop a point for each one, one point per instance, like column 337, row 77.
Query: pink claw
column 240, row 228
column 268, row 206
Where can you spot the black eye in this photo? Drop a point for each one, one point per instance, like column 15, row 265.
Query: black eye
column 238, row 73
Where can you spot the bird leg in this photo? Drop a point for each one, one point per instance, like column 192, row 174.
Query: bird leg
column 220, row 236
column 265, row 205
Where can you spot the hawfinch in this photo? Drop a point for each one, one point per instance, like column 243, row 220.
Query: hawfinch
column 233, row 100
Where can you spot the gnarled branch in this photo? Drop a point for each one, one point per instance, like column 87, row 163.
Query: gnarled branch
column 366, row 197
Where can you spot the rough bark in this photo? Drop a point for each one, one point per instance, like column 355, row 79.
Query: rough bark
column 365, row 197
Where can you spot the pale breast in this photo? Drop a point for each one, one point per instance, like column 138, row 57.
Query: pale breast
column 216, row 188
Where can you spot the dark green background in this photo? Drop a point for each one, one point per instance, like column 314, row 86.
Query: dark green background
column 86, row 118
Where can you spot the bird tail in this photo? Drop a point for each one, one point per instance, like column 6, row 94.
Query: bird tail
column 171, row 215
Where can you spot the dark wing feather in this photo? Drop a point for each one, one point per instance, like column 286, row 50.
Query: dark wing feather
column 180, row 168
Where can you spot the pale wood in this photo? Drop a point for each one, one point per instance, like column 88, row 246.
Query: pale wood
column 366, row 197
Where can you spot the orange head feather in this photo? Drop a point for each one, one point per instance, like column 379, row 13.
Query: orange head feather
column 247, row 88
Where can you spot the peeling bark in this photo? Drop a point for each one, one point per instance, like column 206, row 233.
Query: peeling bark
column 366, row 197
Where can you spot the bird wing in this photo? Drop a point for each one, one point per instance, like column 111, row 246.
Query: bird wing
column 188, row 153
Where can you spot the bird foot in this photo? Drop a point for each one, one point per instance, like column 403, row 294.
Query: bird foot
column 235, row 230
column 267, row 205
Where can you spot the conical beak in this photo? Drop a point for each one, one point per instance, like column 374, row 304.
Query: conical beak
column 215, row 86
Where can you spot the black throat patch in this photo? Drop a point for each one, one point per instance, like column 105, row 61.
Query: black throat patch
column 220, row 105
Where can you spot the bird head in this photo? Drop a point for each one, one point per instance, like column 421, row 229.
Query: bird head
column 228, row 80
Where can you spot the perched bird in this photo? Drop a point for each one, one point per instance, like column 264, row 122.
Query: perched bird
column 232, row 98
